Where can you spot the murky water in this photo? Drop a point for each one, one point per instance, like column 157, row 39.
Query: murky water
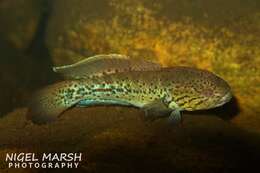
column 219, row 36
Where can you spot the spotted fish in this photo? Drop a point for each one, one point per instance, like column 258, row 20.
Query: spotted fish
column 119, row 80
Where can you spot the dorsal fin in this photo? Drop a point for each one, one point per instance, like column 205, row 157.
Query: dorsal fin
column 100, row 65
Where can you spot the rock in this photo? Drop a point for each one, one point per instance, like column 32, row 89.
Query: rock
column 19, row 20
column 113, row 137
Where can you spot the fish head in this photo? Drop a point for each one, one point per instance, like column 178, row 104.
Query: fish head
column 215, row 92
column 203, row 90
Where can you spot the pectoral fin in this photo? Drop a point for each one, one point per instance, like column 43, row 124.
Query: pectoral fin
column 175, row 117
column 100, row 65
column 155, row 110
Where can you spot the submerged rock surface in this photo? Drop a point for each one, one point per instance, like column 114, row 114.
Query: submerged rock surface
column 115, row 139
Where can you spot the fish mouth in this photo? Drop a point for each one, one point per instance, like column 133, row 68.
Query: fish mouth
column 226, row 98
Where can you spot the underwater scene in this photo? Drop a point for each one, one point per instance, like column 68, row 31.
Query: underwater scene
column 129, row 86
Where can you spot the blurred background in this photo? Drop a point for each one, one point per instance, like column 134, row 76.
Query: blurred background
column 220, row 36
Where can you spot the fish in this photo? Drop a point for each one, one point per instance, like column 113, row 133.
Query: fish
column 115, row 79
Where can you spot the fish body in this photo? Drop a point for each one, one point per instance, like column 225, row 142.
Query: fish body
column 158, row 91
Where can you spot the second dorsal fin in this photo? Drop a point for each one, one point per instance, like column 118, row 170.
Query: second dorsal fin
column 100, row 65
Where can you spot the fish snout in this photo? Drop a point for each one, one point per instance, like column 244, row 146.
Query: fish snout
column 226, row 98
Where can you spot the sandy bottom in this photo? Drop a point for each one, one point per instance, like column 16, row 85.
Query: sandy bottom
column 117, row 139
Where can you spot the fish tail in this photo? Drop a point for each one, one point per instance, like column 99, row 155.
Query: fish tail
column 47, row 104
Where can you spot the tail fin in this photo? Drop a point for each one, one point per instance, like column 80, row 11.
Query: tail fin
column 47, row 104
